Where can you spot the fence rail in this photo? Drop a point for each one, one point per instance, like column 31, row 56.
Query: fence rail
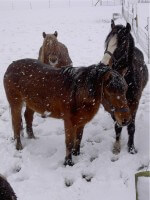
column 142, row 34
column 32, row 4
column 107, row 2
column 41, row 4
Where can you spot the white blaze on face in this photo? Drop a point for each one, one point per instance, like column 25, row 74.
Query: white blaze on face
column 112, row 45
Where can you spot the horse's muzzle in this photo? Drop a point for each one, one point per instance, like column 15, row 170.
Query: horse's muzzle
column 125, row 122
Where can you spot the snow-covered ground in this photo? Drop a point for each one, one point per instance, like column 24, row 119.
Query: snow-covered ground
column 37, row 172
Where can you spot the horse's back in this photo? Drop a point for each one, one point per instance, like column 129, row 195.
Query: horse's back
column 138, row 55
column 140, row 67
column 27, row 65
column 40, row 86
column 136, row 76
column 64, row 54
column 31, row 74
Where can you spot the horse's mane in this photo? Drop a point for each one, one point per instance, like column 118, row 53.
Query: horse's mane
column 116, row 83
column 83, row 77
column 131, row 49
column 90, row 78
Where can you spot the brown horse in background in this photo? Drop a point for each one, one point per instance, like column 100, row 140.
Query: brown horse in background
column 122, row 56
column 54, row 52
column 72, row 94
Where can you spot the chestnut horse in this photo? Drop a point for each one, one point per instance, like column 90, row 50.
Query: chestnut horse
column 122, row 56
column 54, row 52
column 72, row 94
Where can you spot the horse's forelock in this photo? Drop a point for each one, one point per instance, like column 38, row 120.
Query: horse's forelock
column 113, row 31
column 117, row 83
column 50, row 39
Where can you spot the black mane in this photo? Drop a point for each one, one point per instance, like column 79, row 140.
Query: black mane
column 87, row 77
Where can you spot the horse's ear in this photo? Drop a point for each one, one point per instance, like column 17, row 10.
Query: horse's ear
column 112, row 24
column 56, row 33
column 128, row 27
column 44, row 35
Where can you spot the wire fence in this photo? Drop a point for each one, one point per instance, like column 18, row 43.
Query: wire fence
column 35, row 4
column 142, row 34
column 107, row 2
column 130, row 13
column 41, row 4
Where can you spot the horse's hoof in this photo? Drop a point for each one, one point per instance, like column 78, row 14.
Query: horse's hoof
column 19, row 146
column 31, row 136
column 116, row 148
column 132, row 150
column 68, row 162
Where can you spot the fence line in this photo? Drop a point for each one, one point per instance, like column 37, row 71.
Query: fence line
column 108, row 2
column 142, row 34
column 31, row 4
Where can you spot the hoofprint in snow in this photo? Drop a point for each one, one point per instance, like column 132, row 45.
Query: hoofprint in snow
column 37, row 172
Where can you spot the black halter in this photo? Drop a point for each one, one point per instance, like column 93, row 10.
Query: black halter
column 113, row 109
column 115, row 61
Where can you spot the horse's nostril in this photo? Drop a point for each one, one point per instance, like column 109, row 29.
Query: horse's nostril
column 125, row 122
column 53, row 60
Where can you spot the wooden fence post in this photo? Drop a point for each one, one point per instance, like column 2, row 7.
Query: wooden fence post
column 49, row 3
column 12, row 5
column 30, row 5
column 92, row 3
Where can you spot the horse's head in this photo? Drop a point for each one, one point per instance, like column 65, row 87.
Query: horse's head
column 117, row 47
column 51, row 48
column 114, row 90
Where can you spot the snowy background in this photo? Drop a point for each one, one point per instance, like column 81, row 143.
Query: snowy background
column 37, row 172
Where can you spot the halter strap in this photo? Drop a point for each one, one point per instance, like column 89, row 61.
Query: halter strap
column 115, row 61
column 111, row 55
column 113, row 109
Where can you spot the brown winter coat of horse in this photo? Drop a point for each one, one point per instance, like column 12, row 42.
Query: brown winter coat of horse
column 69, row 93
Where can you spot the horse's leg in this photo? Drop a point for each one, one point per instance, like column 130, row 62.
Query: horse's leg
column 29, row 119
column 131, row 131
column 117, row 146
column 77, row 141
column 133, row 105
column 70, row 132
column 17, row 123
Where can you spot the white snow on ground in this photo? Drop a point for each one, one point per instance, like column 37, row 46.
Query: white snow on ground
column 37, row 172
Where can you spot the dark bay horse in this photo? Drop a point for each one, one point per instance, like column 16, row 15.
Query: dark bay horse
column 69, row 93
column 122, row 56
